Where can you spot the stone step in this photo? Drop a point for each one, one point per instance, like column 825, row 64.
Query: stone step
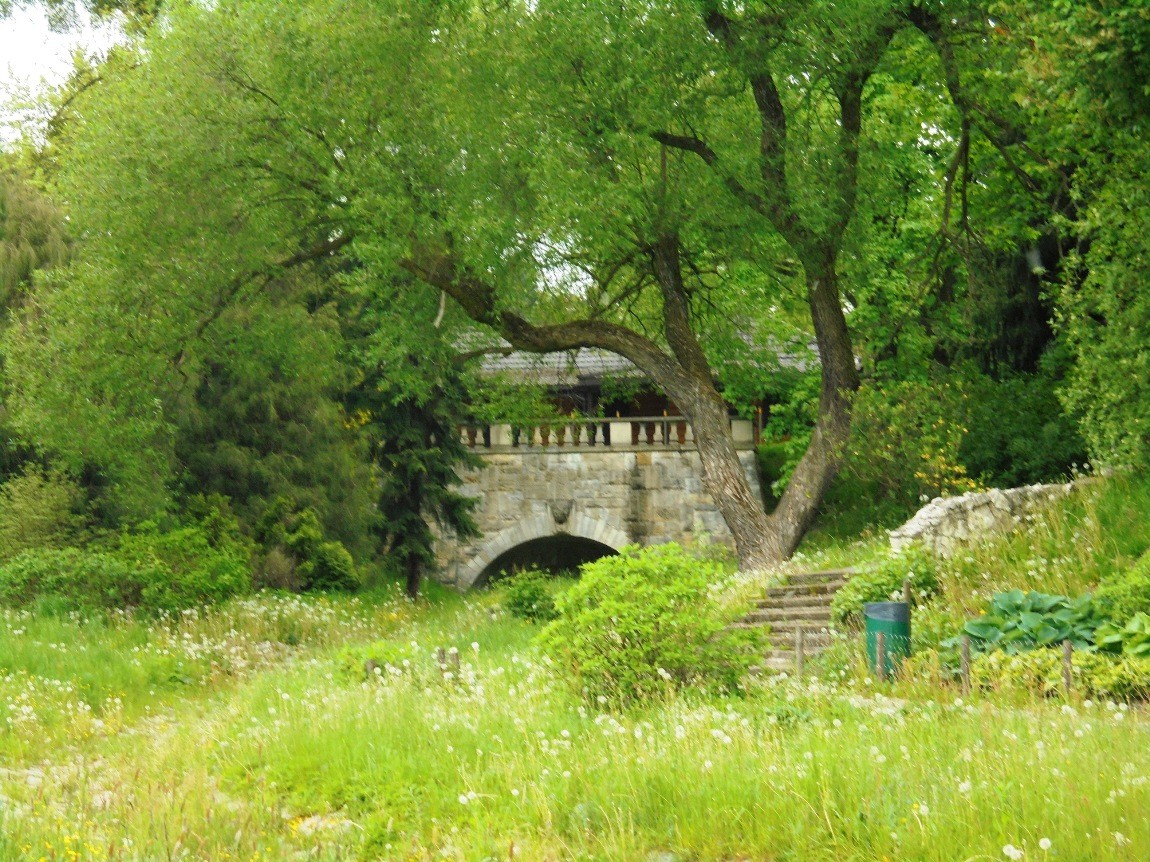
column 796, row 601
column 775, row 664
column 774, row 616
column 812, row 578
column 793, row 591
column 784, row 632
column 813, row 641
column 787, row 628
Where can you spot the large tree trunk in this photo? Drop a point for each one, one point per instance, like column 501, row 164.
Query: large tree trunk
column 820, row 464
column 725, row 479
column 414, row 576
column 723, row 473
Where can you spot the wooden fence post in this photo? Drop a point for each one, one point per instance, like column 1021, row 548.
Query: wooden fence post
column 453, row 660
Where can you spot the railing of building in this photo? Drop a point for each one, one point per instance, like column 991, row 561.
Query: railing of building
column 627, row 432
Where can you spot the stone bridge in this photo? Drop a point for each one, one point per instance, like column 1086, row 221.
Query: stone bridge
column 562, row 494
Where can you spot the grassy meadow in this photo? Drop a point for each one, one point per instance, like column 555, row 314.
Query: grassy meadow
column 252, row 732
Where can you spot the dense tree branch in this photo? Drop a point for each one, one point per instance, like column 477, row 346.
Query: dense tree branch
column 850, row 94
column 680, row 335
column 229, row 292
column 477, row 299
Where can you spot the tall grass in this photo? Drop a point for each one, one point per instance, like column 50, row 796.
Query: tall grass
column 252, row 732
column 1067, row 547
column 308, row 760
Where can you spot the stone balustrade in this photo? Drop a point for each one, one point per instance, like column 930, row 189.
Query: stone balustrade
column 625, row 433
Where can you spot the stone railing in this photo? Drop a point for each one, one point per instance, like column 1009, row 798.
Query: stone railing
column 626, row 432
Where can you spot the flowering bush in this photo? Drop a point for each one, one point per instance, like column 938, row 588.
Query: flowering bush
column 646, row 621
column 905, row 439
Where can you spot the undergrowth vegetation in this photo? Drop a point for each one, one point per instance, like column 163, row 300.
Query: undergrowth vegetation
column 303, row 760
column 373, row 728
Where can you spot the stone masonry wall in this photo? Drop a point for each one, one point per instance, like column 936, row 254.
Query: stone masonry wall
column 947, row 523
column 612, row 497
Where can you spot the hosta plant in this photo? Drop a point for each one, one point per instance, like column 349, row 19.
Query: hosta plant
column 1016, row 622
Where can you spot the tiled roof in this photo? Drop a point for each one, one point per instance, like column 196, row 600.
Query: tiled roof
column 588, row 365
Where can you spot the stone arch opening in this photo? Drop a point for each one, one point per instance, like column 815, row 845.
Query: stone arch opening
column 574, row 524
column 559, row 553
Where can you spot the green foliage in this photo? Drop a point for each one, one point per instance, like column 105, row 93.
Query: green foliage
column 906, row 437
column 1132, row 639
column 884, row 581
column 645, row 622
column 412, row 404
column 33, row 235
column 1016, row 622
column 186, row 566
column 1039, row 671
column 383, row 658
column 528, row 596
column 40, row 509
column 317, row 562
column 264, row 420
column 1091, row 81
column 1127, row 593
column 151, row 569
column 329, row 566
column 791, row 420
column 74, row 579
column 772, row 461
column 1017, row 431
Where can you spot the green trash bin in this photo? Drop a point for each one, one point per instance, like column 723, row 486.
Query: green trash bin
column 893, row 620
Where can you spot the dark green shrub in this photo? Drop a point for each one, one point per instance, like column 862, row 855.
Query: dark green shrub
column 646, row 621
column 329, row 566
column 772, row 459
column 883, row 583
column 527, row 596
column 1017, row 432
column 74, row 579
column 194, row 570
column 1121, row 597
column 319, row 563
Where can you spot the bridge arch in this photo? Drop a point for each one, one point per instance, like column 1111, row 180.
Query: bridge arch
column 577, row 524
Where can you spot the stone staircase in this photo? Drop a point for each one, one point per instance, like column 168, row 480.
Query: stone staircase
column 803, row 602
